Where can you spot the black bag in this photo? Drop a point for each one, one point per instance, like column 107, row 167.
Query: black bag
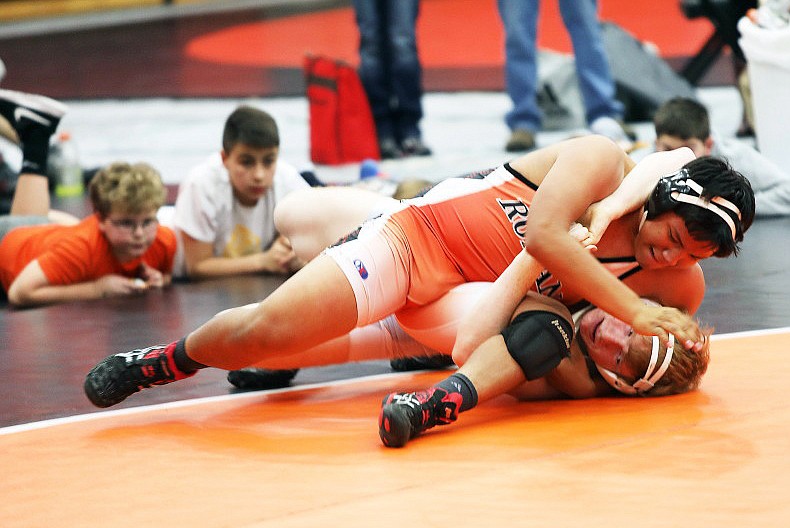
column 644, row 81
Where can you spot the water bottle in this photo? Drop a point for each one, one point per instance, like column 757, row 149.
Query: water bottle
column 64, row 166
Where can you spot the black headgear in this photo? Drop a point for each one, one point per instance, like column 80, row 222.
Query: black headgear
column 680, row 188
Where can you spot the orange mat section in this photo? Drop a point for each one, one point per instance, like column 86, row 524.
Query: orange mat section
column 450, row 33
column 311, row 457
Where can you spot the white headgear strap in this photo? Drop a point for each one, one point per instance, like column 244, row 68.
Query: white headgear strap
column 646, row 382
column 712, row 205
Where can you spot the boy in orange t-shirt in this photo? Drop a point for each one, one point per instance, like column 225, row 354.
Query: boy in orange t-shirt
column 118, row 250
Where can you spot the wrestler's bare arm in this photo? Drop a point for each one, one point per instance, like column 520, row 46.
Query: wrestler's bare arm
column 314, row 218
column 683, row 288
column 501, row 302
column 584, row 171
column 494, row 310
column 633, row 191
column 493, row 371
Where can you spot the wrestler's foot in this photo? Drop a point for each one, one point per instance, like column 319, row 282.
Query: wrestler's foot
column 406, row 415
column 117, row 377
column 253, row 378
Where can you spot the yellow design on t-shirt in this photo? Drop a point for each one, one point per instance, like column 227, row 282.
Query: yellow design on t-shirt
column 242, row 242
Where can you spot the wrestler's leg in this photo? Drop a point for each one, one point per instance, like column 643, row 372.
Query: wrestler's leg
column 311, row 219
column 417, row 331
column 436, row 324
column 383, row 339
column 313, row 306
column 317, row 217
column 489, row 372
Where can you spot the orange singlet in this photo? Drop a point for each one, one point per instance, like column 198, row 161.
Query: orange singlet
column 462, row 230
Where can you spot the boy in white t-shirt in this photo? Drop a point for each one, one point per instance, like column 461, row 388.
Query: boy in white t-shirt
column 224, row 212
column 224, row 215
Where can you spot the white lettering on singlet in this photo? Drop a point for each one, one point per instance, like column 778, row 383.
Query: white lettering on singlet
column 516, row 212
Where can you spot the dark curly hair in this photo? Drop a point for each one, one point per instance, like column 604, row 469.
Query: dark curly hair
column 718, row 178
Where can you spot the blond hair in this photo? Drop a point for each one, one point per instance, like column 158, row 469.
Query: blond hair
column 126, row 188
column 411, row 188
column 685, row 370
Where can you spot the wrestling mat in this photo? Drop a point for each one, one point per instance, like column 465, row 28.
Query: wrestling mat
column 310, row 456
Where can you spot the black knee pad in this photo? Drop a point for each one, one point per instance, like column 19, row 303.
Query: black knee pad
column 538, row 341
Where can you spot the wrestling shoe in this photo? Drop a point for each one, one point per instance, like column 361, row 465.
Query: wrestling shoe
column 117, row 377
column 26, row 111
column 405, row 415
column 253, row 378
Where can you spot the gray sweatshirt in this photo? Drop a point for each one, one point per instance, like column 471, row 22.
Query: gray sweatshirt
column 770, row 183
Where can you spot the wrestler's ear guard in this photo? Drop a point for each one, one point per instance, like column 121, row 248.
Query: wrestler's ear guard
column 648, row 381
column 678, row 188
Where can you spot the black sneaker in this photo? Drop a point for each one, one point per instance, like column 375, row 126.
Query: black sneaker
column 405, row 415
column 25, row 111
column 253, row 378
column 117, row 377
column 389, row 149
column 435, row 362
column 413, row 146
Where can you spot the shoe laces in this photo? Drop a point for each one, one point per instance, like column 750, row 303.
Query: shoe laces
column 431, row 407
column 147, row 366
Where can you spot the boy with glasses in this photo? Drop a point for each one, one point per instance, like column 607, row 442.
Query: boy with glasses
column 118, row 250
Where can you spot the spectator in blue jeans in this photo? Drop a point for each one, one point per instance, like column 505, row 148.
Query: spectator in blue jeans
column 603, row 112
column 391, row 72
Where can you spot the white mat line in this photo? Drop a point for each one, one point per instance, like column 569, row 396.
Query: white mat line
column 194, row 401
column 257, row 394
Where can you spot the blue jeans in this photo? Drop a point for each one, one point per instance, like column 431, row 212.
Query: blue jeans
column 389, row 67
column 520, row 20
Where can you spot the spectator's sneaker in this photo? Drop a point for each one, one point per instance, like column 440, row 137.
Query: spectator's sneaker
column 253, row 378
column 117, row 377
column 413, row 146
column 408, row 364
column 615, row 130
column 406, row 415
column 520, row 141
column 24, row 111
column 389, row 149
column 745, row 130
